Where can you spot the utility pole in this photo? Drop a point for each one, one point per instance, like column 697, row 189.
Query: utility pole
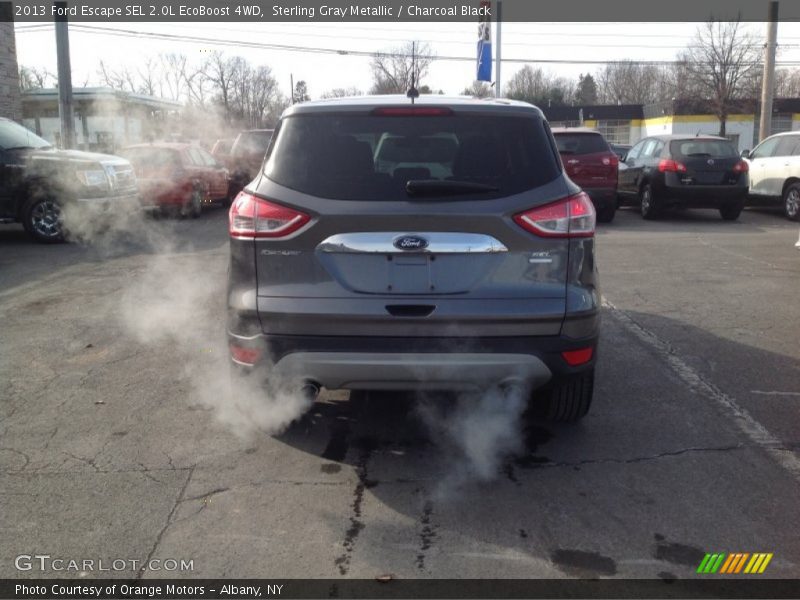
column 291, row 85
column 65, row 112
column 768, row 79
column 499, row 59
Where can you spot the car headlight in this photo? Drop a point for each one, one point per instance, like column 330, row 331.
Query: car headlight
column 93, row 178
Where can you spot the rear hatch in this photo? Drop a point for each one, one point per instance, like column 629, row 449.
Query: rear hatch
column 410, row 242
column 588, row 159
column 707, row 161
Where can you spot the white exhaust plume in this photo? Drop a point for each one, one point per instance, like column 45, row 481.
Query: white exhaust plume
column 481, row 431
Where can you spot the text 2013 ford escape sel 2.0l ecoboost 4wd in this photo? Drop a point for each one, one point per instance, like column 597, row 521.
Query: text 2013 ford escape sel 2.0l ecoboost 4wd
column 430, row 245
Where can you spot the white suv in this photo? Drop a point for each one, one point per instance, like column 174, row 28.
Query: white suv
column 775, row 173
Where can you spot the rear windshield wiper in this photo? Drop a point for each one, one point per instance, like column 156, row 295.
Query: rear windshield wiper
column 27, row 148
column 439, row 187
column 699, row 154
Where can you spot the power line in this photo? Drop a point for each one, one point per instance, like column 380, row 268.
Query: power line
column 99, row 30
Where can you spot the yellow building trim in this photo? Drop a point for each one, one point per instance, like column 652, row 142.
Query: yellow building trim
column 590, row 122
column 795, row 116
column 640, row 122
column 666, row 120
column 712, row 118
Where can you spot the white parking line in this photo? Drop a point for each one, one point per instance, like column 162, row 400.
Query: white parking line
column 754, row 430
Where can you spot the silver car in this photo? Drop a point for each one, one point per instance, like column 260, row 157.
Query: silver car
column 464, row 260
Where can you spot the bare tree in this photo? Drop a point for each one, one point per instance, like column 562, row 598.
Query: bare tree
column 221, row 72
column 478, row 89
column 539, row 87
column 173, row 69
column 627, row 82
column 721, row 61
column 33, row 78
column 342, row 92
column 393, row 72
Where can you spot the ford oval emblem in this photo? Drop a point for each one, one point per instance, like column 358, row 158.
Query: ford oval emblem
column 410, row 242
column 710, row 161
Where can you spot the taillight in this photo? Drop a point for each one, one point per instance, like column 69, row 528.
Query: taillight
column 245, row 356
column 412, row 111
column 577, row 357
column 671, row 166
column 741, row 167
column 571, row 217
column 253, row 217
column 611, row 161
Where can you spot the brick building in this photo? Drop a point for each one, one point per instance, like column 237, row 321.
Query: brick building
column 10, row 101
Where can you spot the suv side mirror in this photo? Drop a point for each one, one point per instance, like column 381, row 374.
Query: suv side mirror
column 624, row 157
column 745, row 154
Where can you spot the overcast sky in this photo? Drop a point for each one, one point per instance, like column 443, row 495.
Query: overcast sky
column 529, row 41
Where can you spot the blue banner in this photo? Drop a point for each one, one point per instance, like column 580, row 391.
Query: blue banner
column 484, row 46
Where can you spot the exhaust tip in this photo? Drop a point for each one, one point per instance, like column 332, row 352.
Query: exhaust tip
column 310, row 390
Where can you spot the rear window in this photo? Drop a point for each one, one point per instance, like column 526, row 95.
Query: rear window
column 150, row 157
column 581, row 143
column 252, row 142
column 713, row 148
column 365, row 157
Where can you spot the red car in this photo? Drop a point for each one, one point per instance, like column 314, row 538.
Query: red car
column 176, row 177
column 591, row 163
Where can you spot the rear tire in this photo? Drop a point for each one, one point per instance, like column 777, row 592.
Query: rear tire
column 791, row 202
column 606, row 213
column 731, row 212
column 650, row 206
column 568, row 400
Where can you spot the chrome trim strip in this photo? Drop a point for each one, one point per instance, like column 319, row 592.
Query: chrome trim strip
column 382, row 242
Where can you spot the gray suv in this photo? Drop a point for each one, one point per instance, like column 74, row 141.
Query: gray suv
column 435, row 244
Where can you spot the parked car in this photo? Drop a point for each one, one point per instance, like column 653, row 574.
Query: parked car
column 620, row 149
column 176, row 177
column 775, row 173
column 38, row 182
column 246, row 157
column 221, row 150
column 696, row 171
column 590, row 162
column 464, row 271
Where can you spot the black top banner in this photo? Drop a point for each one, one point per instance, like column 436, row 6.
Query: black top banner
column 331, row 11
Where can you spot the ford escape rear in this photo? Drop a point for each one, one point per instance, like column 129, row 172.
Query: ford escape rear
column 436, row 245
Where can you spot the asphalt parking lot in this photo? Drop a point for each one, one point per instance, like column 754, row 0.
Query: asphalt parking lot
column 109, row 449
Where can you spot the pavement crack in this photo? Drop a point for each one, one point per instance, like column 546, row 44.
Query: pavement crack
column 356, row 526
column 426, row 535
column 25, row 457
column 206, row 495
column 168, row 522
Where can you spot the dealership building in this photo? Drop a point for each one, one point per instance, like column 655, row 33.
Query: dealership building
column 105, row 119
column 628, row 123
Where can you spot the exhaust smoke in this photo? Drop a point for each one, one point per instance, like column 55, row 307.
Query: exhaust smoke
column 479, row 431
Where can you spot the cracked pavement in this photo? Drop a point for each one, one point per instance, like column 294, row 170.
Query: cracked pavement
column 690, row 447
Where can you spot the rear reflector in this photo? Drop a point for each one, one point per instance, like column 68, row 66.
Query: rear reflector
column 253, row 217
column 671, row 166
column 412, row 111
column 571, row 217
column 741, row 167
column 578, row 357
column 612, row 160
column 245, row 356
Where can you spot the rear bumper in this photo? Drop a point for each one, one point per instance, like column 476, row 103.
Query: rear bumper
column 338, row 362
column 701, row 196
column 363, row 370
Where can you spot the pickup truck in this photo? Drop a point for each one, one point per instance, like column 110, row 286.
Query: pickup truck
column 39, row 183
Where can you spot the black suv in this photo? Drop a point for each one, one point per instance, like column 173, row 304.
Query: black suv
column 439, row 245
column 38, row 182
column 666, row 171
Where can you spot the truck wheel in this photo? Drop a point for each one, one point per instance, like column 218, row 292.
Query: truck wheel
column 651, row 207
column 731, row 212
column 568, row 399
column 43, row 220
column 791, row 202
column 606, row 213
